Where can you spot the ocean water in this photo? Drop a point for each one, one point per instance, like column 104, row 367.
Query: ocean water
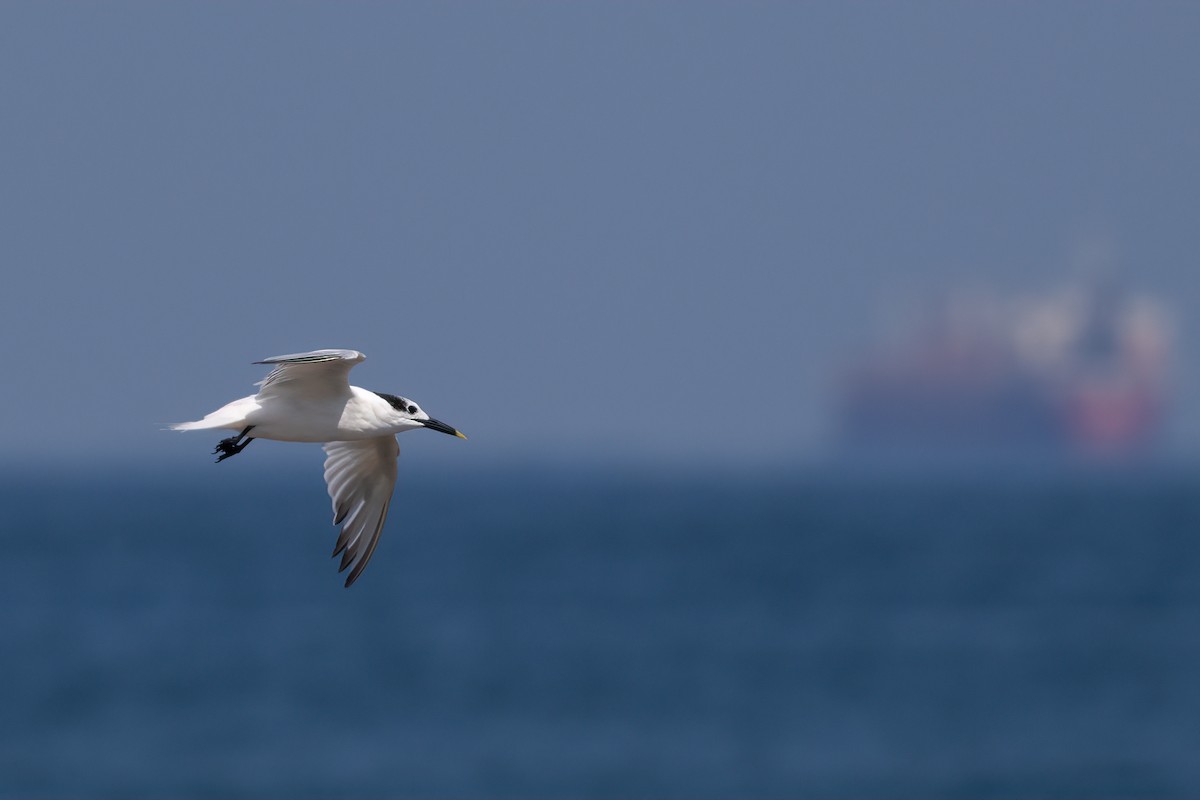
column 545, row 633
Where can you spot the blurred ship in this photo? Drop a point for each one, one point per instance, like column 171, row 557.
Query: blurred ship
column 1079, row 374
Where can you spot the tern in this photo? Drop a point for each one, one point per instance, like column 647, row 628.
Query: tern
column 308, row 398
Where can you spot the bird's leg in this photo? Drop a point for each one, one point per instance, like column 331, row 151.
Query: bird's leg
column 230, row 447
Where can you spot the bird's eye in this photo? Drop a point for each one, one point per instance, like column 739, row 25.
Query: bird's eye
column 412, row 409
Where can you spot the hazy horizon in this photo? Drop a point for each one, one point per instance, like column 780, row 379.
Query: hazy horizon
column 579, row 230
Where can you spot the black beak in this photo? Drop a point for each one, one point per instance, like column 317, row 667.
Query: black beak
column 441, row 427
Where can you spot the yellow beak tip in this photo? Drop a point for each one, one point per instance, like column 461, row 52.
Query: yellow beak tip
column 459, row 434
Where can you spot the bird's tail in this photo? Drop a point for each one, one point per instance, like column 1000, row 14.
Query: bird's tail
column 198, row 425
column 231, row 416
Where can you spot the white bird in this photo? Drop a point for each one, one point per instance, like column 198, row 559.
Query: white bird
column 308, row 398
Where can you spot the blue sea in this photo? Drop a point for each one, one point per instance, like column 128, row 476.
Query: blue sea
column 564, row 633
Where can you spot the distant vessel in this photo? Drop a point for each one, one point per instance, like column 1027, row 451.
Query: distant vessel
column 1081, row 373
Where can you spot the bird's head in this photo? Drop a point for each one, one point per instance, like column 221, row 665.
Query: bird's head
column 408, row 414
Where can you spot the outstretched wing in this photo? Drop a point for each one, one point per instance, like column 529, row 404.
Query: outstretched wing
column 316, row 372
column 361, row 476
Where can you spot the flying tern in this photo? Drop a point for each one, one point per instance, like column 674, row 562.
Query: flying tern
column 308, row 398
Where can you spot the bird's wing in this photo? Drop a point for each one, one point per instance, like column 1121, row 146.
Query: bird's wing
column 361, row 476
column 318, row 371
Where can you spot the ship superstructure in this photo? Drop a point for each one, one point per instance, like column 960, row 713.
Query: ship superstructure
column 1081, row 372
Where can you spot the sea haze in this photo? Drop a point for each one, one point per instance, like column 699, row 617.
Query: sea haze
column 567, row 633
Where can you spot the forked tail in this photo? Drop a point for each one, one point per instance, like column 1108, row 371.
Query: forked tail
column 230, row 416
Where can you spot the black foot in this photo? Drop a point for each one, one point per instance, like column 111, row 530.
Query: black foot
column 230, row 447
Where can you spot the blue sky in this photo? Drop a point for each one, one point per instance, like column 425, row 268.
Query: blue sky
column 644, row 230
